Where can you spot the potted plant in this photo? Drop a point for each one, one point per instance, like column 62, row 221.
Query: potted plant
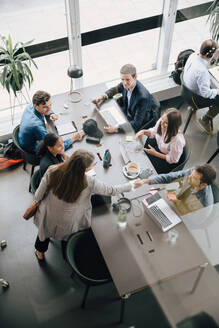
column 213, row 19
column 16, row 63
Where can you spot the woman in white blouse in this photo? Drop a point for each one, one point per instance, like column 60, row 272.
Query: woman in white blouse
column 165, row 142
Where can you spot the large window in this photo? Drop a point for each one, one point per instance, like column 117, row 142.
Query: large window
column 102, row 61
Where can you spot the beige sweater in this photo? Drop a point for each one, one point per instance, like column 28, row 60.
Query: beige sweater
column 58, row 219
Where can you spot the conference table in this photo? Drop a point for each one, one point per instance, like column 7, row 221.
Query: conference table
column 178, row 273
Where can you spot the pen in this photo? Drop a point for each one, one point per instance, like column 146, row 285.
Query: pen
column 149, row 235
column 139, row 238
column 98, row 154
column 74, row 125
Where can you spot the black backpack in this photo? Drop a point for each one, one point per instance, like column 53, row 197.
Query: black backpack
column 179, row 65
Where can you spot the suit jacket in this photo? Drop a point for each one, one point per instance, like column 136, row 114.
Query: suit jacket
column 139, row 111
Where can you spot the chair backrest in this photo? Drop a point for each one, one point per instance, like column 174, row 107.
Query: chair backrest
column 188, row 95
column 29, row 157
column 15, row 137
column 215, row 190
column 35, row 181
column 85, row 258
column 187, row 152
column 156, row 111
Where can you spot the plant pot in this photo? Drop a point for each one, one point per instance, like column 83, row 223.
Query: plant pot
column 14, row 85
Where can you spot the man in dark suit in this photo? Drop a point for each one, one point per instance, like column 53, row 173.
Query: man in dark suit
column 135, row 101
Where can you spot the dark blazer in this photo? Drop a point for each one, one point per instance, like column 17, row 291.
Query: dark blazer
column 139, row 111
column 47, row 160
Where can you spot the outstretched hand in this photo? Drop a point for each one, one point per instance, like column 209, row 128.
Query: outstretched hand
column 150, row 150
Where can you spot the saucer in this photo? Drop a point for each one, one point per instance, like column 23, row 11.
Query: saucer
column 129, row 176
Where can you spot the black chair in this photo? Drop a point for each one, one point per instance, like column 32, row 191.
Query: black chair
column 200, row 320
column 216, row 152
column 192, row 99
column 156, row 111
column 187, row 152
column 86, row 261
column 215, row 190
column 28, row 157
column 35, row 181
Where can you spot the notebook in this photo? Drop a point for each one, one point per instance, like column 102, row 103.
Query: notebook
column 160, row 212
column 112, row 116
column 66, row 128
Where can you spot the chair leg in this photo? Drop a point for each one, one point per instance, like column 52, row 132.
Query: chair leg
column 32, row 171
column 122, row 310
column 188, row 119
column 213, row 156
column 85, row 296
column 24, row 165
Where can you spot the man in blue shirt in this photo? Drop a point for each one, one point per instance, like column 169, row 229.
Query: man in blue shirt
column 199, row 179
column 32, row 127
column 135, row 101
column 196, row 77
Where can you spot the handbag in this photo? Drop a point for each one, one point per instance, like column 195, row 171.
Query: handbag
column 31, row 210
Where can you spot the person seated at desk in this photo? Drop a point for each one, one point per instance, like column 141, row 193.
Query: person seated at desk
column 165, row 142
column 196, row 77
column 64, row 199
column 51, row 151
column 135, row 102
column 193, row 182
column 32, row 127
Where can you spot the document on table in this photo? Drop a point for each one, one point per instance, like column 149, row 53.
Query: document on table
column 66, row 128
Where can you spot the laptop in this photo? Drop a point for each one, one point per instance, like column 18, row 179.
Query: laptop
column 112, row 116
column 160, row 212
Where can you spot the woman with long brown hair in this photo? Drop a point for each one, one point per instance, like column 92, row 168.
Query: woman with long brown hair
column 64, row 195
column 165, row 142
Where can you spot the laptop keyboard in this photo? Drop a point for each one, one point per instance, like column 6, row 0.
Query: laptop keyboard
column 160, row 216
column 108, row 117
column 153, row 198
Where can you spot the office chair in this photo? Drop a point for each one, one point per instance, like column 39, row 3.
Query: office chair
column 3, row 282
column 192, row 99
column 35, row 181
column 216, row 152
column 187, row 152
column 28, row 157
column 74, row 72
column 215, row 190
column 156, row 111
column 86, row 261
column 199, row 320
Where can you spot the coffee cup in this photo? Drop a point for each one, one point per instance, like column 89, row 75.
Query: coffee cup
column 132, row 168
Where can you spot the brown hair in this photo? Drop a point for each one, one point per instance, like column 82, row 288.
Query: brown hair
column 174, row 121
column 40, row 97
column 69, row 180
column 208, row 173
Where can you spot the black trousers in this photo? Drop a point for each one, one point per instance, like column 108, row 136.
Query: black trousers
column 161, row 165
column 42, row 246
column 206, row 102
